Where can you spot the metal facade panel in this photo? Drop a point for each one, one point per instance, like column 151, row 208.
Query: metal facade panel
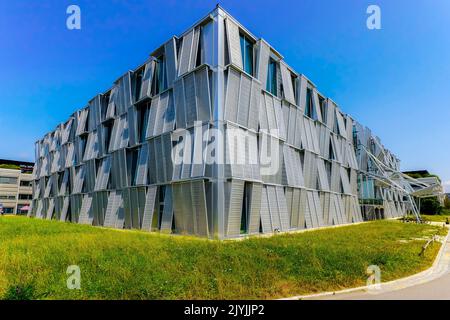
column 118, row 169
column 234, row 44
column 335, row 177
column 81, row 121
column 325, row 204
column 123, row 99
column 99, row 204
column 50, row 209
column 291, row 117
column 282, row 209
column 198, row 156
column 178, row 208
column 254, row 219
column 270, row 109
column 232, row 95
column 167, row 216
column 149, row 208
column 254, row 109
column 308, row 209
column 337, row 148
column 279, row 119
column 266, row 220
column 345, row 181
column 203, row 94
column 159, row 161
column 244, row 100
column 86, row 215
column 302, row 88
column 190, row 225
column 185, row 53
column 273, row 206
column 180, row 112
column 170, row 50
column 199, row 207
column 128, row 205
column 235, row 151
column 142, row 166
column 92, row 146
column 134, row 216
column 188, row 52
column 331, row 107
column 190, row 95
column 341, row 125
column 131, row 119
column 299, row 129
column 146, row 81
column 64, row 210
column 289, row 202
column 70, row 156
column 163, row 102
column 111, row 209
column 79, row 179
column 316, row 105
column 152, row 117
column 64, row 188
column 252, row 156
column 48, row 187
column 301, row 209
column 262, row 62
column 65, row 132
column 323, row 179
column 235, row 208
column 286, row 78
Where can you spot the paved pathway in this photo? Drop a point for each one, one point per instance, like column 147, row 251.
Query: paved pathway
column 430, row 284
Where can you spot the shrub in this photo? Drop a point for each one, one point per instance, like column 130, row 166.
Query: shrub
column 20, row 292
column 9, row 166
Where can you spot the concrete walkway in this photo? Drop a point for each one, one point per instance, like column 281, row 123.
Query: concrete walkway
column 433, row 283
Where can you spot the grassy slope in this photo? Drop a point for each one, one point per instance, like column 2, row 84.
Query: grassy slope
column 34, row 254
column 435, row 217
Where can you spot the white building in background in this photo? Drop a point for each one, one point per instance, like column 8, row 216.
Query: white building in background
column 15, row 186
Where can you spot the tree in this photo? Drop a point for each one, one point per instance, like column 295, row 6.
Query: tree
column 447, row 203
column 430, row 206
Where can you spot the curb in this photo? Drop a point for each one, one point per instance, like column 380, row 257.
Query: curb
column 431, row 273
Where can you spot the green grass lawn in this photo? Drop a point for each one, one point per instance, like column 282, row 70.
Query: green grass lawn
column 34, row 256
column 435, row 217
column 445, row 214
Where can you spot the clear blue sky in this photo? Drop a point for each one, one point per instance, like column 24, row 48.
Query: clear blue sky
column 395, row 80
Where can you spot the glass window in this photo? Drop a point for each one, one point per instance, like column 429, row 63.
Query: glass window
column 247, row 54
column 25, row 183
column 138, row 76
column 143, row 121
column 160, row 76
column 3, row 197
column 294, row 86
column 8, row 180
column 272, row 77
column 309, row 109
column 323, row 109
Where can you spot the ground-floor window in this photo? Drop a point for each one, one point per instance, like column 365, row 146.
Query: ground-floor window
column 8, row 210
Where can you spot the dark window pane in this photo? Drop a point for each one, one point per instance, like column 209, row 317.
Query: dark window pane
column 247, row 54
column 272, row 77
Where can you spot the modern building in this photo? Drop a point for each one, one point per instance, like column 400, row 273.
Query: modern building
column 214, row 135
column 433, row 183
column 15, row 186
